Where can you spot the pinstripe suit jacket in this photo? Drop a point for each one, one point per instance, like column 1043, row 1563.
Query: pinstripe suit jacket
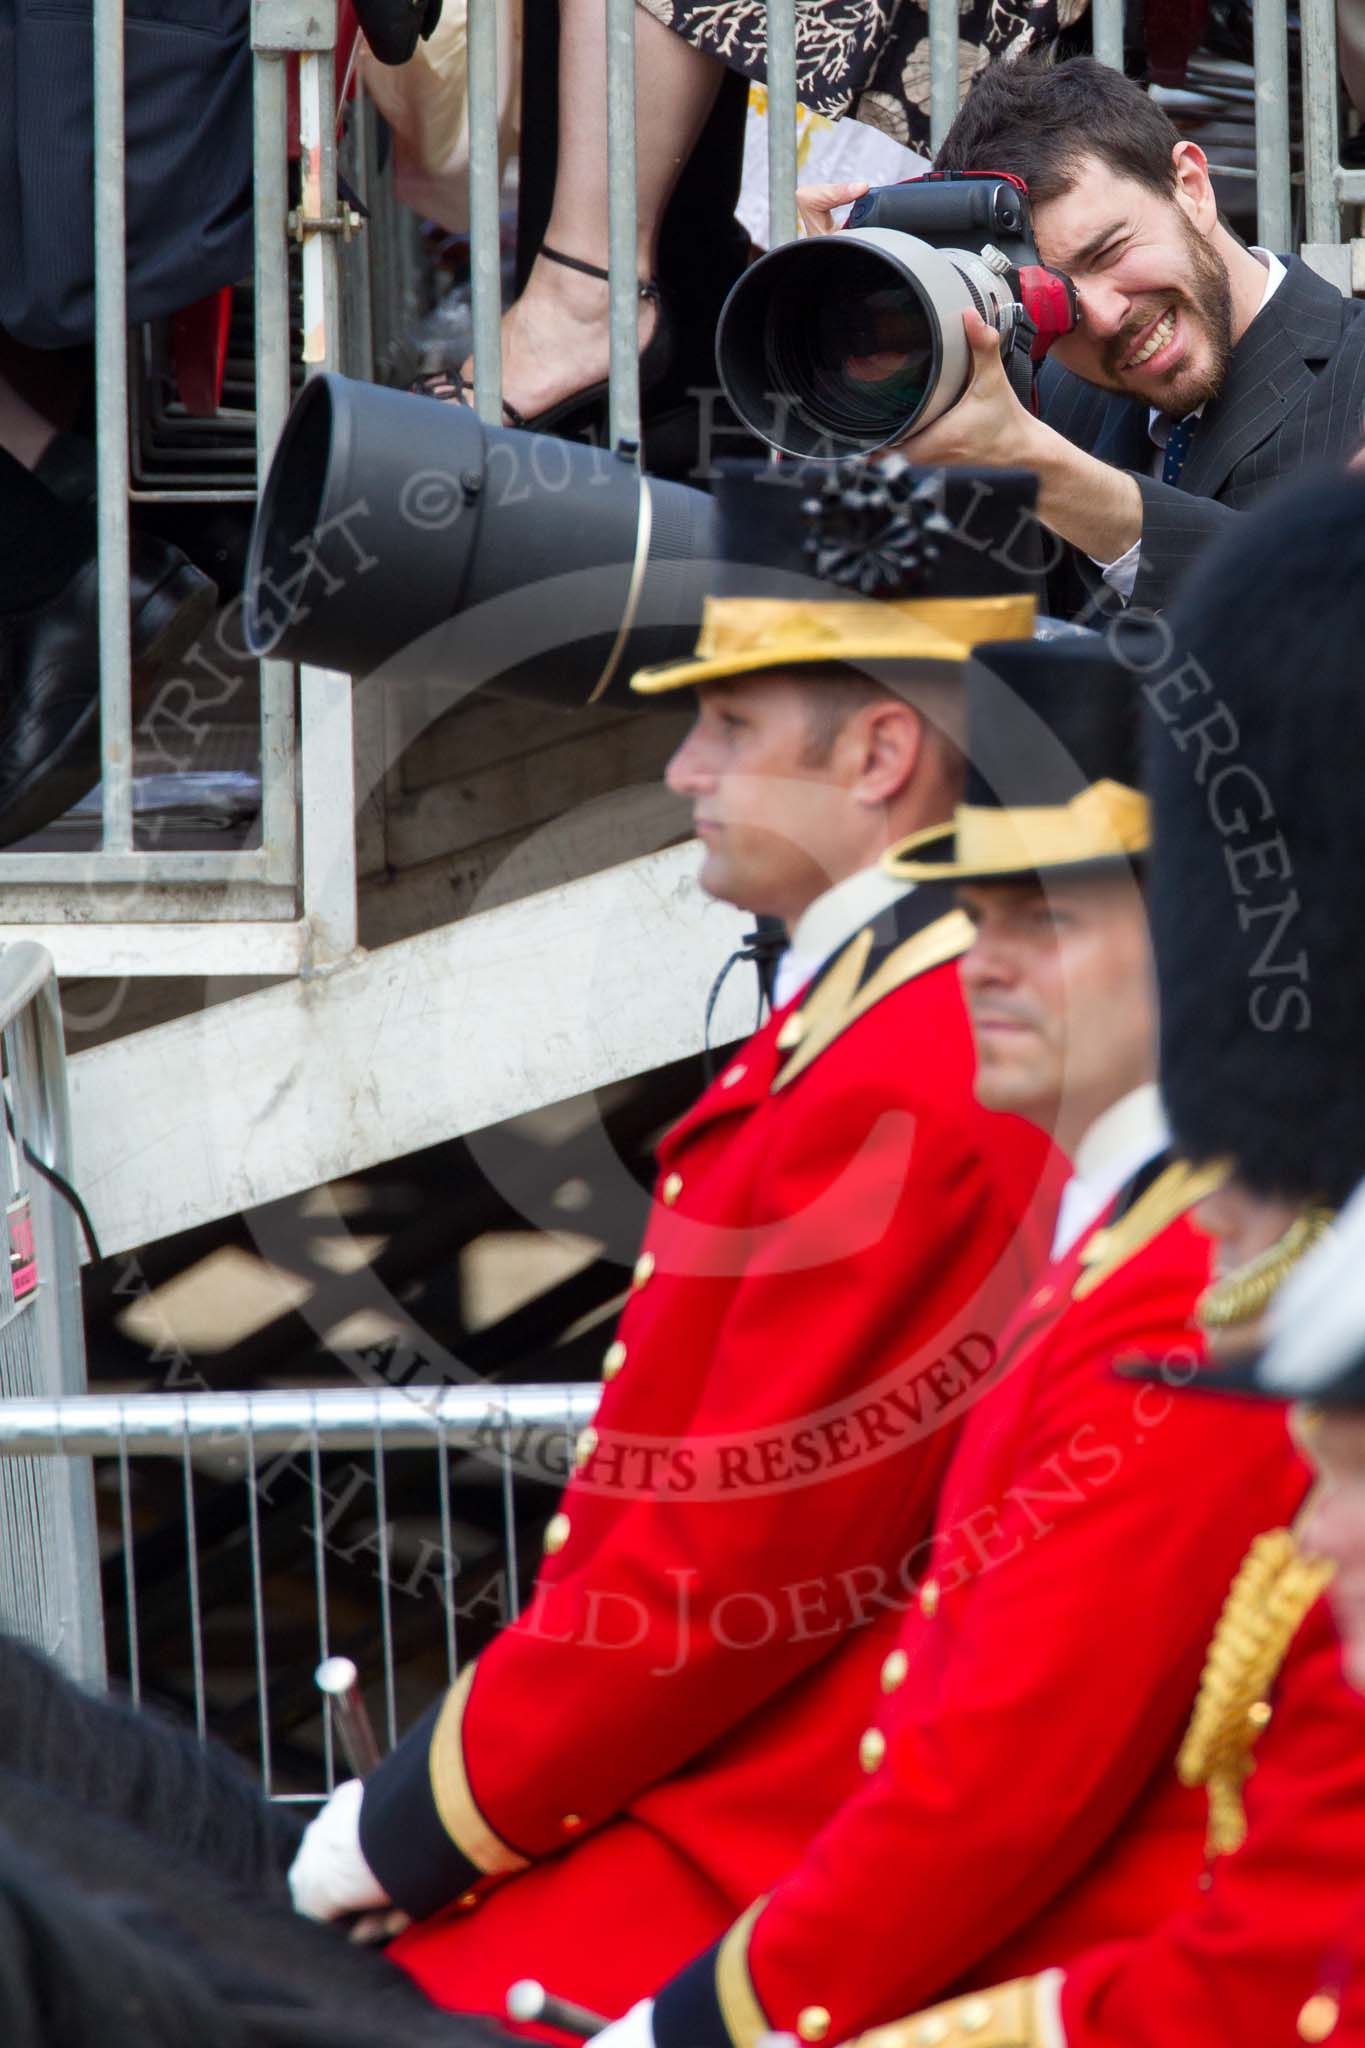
column 1294, row 395
column 187, row 66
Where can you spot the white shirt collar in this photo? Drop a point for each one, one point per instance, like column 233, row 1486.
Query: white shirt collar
column 1159, row 423
column 829, row 923
column 1130, row 1133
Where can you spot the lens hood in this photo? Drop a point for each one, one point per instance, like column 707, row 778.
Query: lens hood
column 538, row 567
column 788, row 347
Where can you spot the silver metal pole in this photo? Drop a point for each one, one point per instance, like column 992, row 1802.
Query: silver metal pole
column 943, row 85
column 781, row 121
column 341, row 1418
column 318, row 204
column 1320, row 120
column 485, row 247
column 327, row 753
column 1106, row 18
column 529, row 2003
column 329, row 841
column 270, row 176
column 1274, row 219
column 111, row 427
column 337, row 1679
column 31, row 1019
column 624, row 424
column 358, row 323
column 270, row 181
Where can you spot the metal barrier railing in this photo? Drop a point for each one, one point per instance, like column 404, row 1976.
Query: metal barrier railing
column 49, row 1562
column 1328, row 185
column 252, row 1443
column 291, row 900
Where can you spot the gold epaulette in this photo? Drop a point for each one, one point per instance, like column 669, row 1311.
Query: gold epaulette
column 1006, row 2017
column 1270, row 1597
column 1243, row 1295
column 841, row 997
column 1169, row 1196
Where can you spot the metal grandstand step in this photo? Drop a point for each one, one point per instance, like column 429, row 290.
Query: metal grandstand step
column 179, row 454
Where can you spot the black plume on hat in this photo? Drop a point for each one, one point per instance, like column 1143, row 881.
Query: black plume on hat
column 1255, row 730
column 879, row 529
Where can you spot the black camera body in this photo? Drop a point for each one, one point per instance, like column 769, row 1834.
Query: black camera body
column 952, row 210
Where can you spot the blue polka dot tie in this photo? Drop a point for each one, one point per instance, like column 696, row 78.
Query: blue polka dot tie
column 1177, row 448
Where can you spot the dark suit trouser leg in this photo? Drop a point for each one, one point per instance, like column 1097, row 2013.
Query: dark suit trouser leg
column 45, row 542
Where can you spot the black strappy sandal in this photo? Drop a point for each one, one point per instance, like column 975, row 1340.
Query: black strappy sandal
column 582, row 412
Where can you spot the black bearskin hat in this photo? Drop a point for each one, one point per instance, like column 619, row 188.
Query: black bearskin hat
column 1255, row 763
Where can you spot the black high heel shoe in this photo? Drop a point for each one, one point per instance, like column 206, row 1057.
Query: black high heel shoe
column 583, row 413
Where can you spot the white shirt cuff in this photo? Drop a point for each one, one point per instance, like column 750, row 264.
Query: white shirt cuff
column 634, row 2029
column 1122, row 574
column 1047, row 2009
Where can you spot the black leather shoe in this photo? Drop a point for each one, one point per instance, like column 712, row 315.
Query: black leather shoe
column 50, row 680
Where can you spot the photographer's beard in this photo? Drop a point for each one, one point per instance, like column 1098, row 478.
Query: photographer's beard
column 1185, row 334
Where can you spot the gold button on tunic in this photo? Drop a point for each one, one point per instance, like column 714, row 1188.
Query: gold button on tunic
column 871, row 1749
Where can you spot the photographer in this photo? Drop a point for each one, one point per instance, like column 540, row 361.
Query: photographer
column 1200, row 373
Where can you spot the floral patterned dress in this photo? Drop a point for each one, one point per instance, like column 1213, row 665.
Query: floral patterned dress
column 868, row 58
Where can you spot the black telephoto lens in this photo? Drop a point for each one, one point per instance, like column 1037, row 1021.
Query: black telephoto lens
column 392, row 524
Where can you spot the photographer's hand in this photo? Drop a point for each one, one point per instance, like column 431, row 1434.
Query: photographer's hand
column 988, row 426
column 816, row 203
column 1083, row 500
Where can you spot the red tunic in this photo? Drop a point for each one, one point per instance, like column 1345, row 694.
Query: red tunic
column 1266, row 1950
column 1280, row 1921
column 1019, row 1802
column 829, row 1252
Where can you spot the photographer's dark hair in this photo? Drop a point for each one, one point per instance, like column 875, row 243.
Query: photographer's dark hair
column 1038, row 121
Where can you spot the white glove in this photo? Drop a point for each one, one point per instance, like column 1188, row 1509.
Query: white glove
column 330, row 1876
column 634, row 2029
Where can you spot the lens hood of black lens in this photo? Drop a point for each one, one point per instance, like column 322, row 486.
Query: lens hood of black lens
column 391, row 522
column 365, row 527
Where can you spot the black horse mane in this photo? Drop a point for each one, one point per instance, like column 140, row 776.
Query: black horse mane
column 192, row 1799
column 143, row 1902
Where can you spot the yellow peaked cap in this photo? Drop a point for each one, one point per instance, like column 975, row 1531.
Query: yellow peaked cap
column 742, row 634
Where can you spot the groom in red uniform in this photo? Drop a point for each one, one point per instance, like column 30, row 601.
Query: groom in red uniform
column 1017, row 1798
column 838, row 1232
column 1257, row 725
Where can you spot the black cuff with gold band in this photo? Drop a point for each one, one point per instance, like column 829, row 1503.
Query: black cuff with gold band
column 401, row 1836
column 420, row 1830
column 712, row 2003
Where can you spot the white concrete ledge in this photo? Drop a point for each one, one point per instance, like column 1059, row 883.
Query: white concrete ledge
column 421, row 1041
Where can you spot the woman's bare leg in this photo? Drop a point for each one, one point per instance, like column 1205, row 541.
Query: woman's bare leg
column 555, row 339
